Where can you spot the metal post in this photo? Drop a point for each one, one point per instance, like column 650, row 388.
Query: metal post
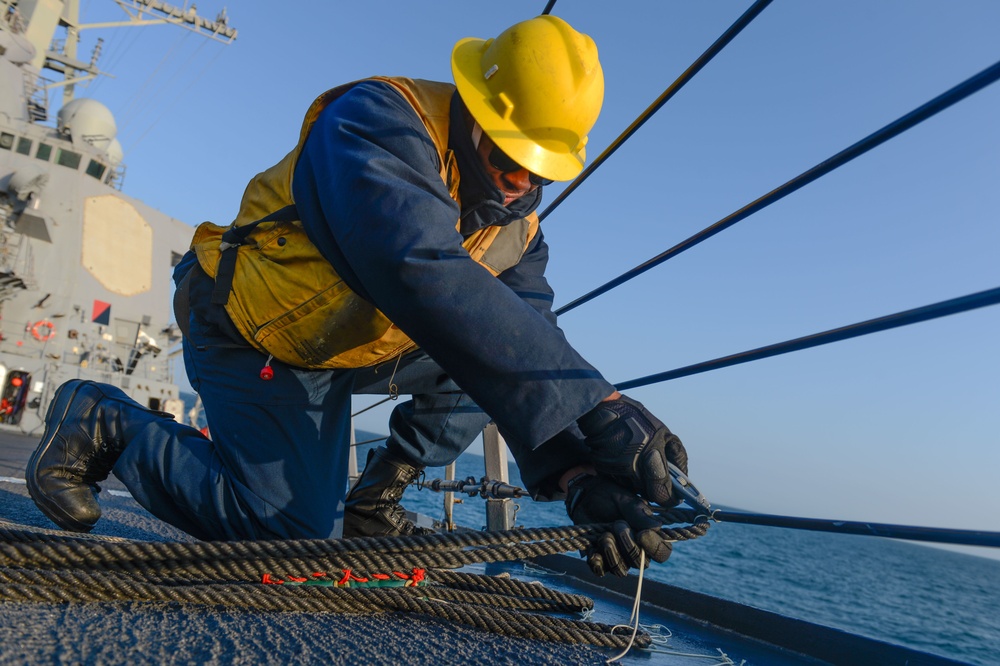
column 449, row 500
column 499, row 512
column 352, row 460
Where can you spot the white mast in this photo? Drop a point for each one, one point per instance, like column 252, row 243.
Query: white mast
column 42, row 18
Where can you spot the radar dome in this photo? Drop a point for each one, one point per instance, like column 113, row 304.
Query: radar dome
column 87, row 120
column 115, row 152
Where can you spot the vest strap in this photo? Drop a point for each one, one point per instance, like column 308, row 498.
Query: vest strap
column 232, row 240
column 182, row 303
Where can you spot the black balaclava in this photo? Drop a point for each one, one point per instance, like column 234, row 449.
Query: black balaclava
column 482, row 201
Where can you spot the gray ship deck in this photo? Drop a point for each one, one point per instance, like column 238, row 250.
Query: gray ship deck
column 130, row 632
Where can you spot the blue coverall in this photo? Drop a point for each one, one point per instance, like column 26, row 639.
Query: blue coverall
column 370, row 197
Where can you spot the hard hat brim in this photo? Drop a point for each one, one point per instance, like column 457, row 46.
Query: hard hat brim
column 466, row 68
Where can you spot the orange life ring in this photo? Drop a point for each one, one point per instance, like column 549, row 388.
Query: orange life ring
column 40, row 324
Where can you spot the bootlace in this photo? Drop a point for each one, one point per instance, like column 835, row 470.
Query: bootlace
column 97, row 464
column 395, row 492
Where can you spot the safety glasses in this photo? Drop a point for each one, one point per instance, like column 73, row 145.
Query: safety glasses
column 503, row 163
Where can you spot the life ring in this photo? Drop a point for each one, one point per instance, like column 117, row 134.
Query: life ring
column 36, row 330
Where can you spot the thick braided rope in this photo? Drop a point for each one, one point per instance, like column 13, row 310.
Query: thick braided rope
column 148, row 557
column 461, row 607
column 529, row 625
column 47, row 568
column 150, row 552
column 496, row 600
column 474, row 583
column 231, row 560
column 94, row 587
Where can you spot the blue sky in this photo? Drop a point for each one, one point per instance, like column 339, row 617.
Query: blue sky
column 902, row 426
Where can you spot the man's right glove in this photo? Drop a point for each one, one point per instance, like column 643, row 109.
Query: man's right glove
column 593, row 499
column 632, row 447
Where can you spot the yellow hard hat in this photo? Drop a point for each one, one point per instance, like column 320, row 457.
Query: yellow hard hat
column 536, row 90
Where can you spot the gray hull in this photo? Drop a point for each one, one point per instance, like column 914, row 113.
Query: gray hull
column 85, row 270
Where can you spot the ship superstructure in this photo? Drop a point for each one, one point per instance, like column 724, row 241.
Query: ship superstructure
column 84, row 269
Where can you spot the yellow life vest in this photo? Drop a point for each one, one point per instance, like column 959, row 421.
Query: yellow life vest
column 287, row 300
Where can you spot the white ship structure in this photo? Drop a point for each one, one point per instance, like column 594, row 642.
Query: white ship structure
column 85, row 270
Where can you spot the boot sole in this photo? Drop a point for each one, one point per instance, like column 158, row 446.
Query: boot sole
column 53, row 511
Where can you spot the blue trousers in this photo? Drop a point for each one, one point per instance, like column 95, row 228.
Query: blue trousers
column 276, row 466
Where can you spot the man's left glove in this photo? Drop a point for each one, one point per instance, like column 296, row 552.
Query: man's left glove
column 632, row 447
column 593, row 499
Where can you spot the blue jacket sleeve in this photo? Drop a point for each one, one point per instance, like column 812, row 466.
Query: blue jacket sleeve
column 369, row 195
column 527, row 278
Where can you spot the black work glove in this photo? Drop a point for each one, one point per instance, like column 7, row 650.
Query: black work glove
column 593, row 499
column 632, row 447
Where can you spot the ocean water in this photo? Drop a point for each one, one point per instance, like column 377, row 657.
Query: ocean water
column 925, row 598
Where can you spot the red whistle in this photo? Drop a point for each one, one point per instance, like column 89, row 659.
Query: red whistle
column 267, row 372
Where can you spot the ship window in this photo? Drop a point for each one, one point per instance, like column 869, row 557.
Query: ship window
column 68, row 158
column 44, row 152
column 95, row 169
column 23, row 145
column 175, row 258
column 6, row 140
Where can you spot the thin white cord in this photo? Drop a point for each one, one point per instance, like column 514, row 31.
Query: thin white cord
column 535, row 570
column 661, row 635
column 635, row 610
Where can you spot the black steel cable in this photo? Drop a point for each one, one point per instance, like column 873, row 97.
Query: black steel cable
column 371, row 441
column 371, row 406
column 941, row 309
column 886, row 530
column 695, row 67
column 898, row 126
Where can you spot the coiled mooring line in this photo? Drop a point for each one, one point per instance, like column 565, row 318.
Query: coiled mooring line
column 51, row 568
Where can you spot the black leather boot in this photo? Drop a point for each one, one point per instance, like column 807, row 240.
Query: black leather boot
column 372, row 507
column 85, row 433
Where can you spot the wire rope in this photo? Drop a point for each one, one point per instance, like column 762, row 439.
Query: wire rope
column 941, row 102
column 152, row 101
column 128, row 114
column 935, row 310
column 117, row 50
column 861, row 528
column 181, row 94
column 743, row 21
column 372, row 406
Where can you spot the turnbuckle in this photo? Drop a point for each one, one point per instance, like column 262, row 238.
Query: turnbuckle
column 485, row 488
